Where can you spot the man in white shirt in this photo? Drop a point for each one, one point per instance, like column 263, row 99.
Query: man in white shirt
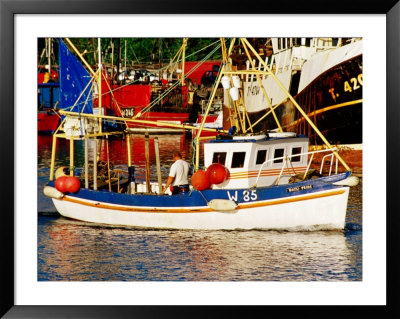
column 178, row 175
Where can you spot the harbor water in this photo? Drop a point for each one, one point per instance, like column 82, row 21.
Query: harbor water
column 70, row 250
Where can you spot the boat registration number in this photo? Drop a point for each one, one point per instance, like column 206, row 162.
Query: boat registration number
column 248, row 195
column 128, row 112
column 299, row 188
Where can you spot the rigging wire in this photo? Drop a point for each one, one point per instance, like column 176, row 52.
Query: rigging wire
column 166, row 67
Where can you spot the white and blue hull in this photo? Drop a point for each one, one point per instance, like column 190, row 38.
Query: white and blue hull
column 320, row 207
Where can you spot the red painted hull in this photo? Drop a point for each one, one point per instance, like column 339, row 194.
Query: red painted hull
column 131, row 99
column 197, row 73
column 47, row 122
column 210, row 119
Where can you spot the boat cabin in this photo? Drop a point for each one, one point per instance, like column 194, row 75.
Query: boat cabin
column 264, row 160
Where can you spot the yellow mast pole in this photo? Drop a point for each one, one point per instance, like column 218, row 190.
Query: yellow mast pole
column 132, row 120
column 224, row 59
column 225, row 56
column 115, row 100
column 262, row 86
column 71, row 156
column 183, row 61
column 108, row 165
column 80, row 56
column 240, row 118
column 197, row 139
column 223, row 48
column 95, row 165
column 265, row 115
column 53, row 157
column 86, row 162
column 99, row 82
column 128, row 147
column 298, row 106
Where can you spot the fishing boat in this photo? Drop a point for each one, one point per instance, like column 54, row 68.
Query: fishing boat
column 163, row 94
column 246, row 180
column 48, row 118
column 325, row 77
column 212, row 121
column 48, row 94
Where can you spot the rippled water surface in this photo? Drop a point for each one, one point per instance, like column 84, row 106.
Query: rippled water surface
column 71, row 250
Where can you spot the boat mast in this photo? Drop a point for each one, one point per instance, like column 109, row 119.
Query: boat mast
column 112, row 61
column 183, row 60
column 218, row 80
column 49, row 55
column 118, row 49
column 159, row 57
column 262, row 88
column 99, row 81
column 125, row 63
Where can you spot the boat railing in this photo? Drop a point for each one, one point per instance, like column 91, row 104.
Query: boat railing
column 331, row 163
column 287, row 159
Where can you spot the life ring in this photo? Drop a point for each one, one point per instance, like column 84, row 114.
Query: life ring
column 62, row 171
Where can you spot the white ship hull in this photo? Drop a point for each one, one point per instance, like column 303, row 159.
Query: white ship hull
column 324, row 210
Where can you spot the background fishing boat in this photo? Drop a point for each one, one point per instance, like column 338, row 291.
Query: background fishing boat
column 324, row 75
column 48, row 91
column 159, row 92
column 155, row 91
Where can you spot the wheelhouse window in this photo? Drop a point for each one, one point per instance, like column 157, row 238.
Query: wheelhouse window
column 279, row 152
column 261, row 156
column 296, row 150
column 219, row 157
column 238, row 159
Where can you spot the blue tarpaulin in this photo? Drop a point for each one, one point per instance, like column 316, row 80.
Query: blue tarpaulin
column 73, row 80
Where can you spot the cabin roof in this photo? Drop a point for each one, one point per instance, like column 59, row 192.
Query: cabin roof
column 253, row 140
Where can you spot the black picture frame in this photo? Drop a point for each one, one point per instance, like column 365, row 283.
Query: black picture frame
column 8, row 10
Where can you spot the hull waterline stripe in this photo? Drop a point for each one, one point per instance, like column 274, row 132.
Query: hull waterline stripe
column 201, row 210
column 290, row 200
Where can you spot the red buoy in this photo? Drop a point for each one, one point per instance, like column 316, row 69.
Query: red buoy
column 217, row 173
column 72, row 184
column 200, row 180
column 61, row 184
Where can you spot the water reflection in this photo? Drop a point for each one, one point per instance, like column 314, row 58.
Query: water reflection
column 73, row 250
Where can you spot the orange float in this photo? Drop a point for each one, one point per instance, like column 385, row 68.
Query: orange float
column 67, row 184
column 72, row 184
column 200, row 180
column 217, row 173
column 61, row 183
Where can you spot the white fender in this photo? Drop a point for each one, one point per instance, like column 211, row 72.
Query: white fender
column 52, row 192
column 222, row 205
column 349, row 181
